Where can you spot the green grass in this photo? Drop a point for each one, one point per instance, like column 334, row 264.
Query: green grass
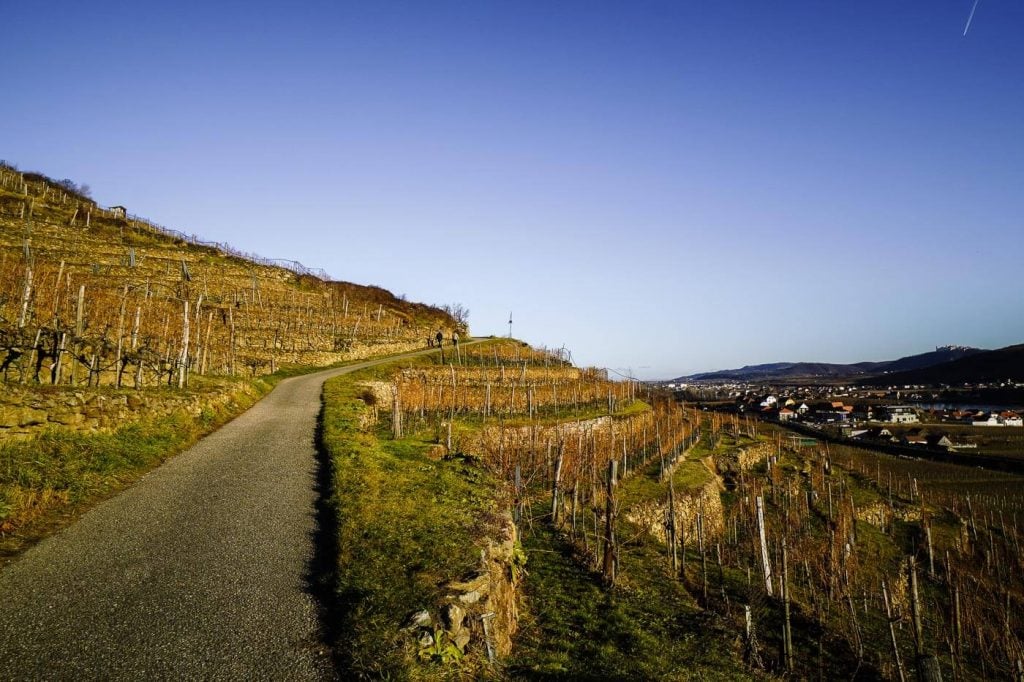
column 407, row 525
column 644, row 485
column 649, row 628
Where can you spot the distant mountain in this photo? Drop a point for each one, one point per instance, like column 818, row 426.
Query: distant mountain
column 979, row 367
column 938, row 356
column 779, row 372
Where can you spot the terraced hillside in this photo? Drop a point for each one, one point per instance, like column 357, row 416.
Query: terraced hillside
column 476, row 487
column 96, row 296
column 646, row 539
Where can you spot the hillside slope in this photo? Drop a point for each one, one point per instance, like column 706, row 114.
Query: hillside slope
column 989, row 366
column 793, row 371
column 778, row 371
column 96, row 296
column 936, row 357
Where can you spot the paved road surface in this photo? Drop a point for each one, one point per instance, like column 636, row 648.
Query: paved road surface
column 199, row 571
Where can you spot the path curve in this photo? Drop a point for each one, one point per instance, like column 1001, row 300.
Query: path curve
column 201, row 570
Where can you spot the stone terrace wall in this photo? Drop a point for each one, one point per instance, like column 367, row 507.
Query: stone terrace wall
column 27, row 411
column 480, row 615
column 652, row 515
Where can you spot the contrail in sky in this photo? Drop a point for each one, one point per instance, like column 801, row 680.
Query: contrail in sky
column 968, row 26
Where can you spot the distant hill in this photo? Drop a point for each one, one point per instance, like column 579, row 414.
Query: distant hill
column 779, row 372
column 938, row 356
column 981, row 367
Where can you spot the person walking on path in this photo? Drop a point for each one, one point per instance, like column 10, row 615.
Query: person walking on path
column 455, row 343
column 440, row 343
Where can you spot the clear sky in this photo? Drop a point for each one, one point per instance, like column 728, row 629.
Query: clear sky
column 662, row 187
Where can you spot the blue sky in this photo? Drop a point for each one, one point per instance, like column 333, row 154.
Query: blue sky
column 662, row 187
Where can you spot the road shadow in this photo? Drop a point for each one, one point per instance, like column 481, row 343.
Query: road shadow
column 322, row 574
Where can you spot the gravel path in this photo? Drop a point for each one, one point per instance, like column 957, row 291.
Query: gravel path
column 201, row 570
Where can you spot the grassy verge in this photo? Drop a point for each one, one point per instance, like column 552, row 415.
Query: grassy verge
column 48, row 481
column 688, row 476
column 407, row 524
column 656, row 625
column 649, row 628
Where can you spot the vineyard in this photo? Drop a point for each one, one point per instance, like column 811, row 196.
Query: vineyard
column 535, row 413
column 91, row 296
column 655, row 533
column 881, row 553
column 818, row 560
column 543, row 454
column 821, row 561
column 521, row 390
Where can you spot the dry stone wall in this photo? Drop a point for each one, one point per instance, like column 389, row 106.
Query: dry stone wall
column 27, row 411
column 749, row 457
column 480, row 615
column 652, row 515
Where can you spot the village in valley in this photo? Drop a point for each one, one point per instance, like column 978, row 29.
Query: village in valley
column 911, row 415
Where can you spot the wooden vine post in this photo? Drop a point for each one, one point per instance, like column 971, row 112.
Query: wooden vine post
column 25, row 298
column 231, row 326
column 118, row 364
column 703, row 555
column 610, row 550
column 892, row 632
column 396, row 412
column 554, row 484
column 766, row 566
column 787, row 633
column 927, row 665
column 931, row 553
column 517, row 514
column 183, row 359
column 672, row 543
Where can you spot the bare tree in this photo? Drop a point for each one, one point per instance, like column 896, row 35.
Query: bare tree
column 459, row 313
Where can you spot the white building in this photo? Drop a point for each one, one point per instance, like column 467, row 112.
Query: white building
column 901, row 414
column 1001, row 419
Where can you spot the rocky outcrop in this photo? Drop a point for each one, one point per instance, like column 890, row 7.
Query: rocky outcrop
column 480, row 614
